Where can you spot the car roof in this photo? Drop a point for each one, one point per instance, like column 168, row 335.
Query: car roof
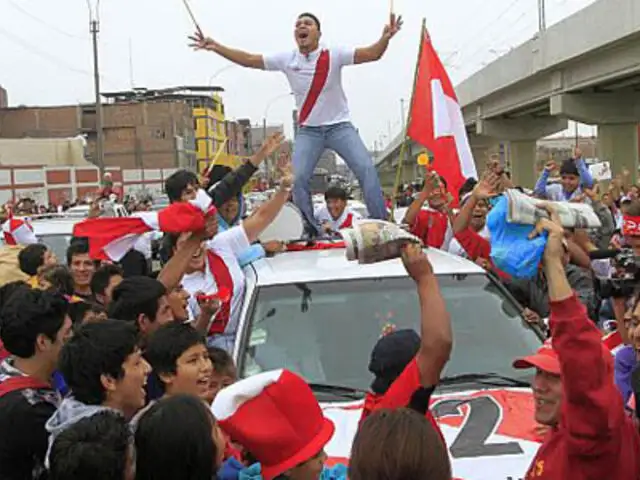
column 54, row 226
column 332, row 264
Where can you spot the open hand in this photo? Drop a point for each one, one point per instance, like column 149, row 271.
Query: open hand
column 273, row 247
column 270, row 145
column 393, row 27
column 487, row 187
column 200, row 42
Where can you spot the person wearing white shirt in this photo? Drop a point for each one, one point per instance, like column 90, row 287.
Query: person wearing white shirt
column 212, row 266
column 335, row 214
column 314, row 72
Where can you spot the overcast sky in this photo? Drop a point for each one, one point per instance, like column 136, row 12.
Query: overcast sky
column 45, row 48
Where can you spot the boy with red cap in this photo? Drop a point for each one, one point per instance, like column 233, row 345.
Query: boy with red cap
column 590, row 435
column 407, row 366
column 275, row 416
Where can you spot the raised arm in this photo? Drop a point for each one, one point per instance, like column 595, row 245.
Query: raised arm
column 267, row 213
column 374, row 52
column 239, row 57
column 592, row 407
column 436, row 337
column 231, row 184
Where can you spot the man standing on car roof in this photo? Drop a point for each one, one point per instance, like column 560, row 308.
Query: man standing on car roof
column 574, row 391
column 314, row 74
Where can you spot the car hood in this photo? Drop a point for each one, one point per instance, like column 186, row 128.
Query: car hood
column 490, row 433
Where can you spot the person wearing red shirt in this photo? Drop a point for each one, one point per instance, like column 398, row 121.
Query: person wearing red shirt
column 335, row 215
column 407, row 368
column 590, row 436
column 433, row 224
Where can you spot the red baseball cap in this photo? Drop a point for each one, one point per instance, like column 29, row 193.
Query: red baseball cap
column 546, row 359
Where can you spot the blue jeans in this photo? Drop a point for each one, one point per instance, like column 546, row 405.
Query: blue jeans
column 343, row 139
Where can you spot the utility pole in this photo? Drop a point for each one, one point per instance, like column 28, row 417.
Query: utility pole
column 266, row 162
column 95, row 28
column 542, row 20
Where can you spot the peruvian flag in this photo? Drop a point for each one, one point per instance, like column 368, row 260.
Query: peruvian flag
column 18, row 231
column 111, row 238
column 436, row 122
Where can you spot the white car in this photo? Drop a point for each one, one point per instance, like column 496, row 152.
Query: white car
column 55, row 233
column 319, row 315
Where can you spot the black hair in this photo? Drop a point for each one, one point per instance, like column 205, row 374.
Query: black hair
column 168, row 245
column 312, row 17
column 178, row 182
column 27, row 314
column 216, row 174
column 78, row 310
column 134, row 264
column 95, row 447
column 102, row 277
column 335, row 193
column 31, row 258
column 78, row 246
column 136, row 296
column 467, row 187
column 60, row 279
column 173, row 440
column 167, row 344
column 222, row 361
column 96, row 349
column 8, row 289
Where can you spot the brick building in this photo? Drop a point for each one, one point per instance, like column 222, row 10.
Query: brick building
column 239, row 141
column 136, row 135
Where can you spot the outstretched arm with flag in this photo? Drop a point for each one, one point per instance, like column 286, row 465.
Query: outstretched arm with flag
column 435, row 119
column 112, row 238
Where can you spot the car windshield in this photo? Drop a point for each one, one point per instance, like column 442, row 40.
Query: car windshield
column 58, row 244
column 325, row 331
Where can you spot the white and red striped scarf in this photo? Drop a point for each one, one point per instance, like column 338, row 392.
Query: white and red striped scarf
column 112, row 238
column 18, row 231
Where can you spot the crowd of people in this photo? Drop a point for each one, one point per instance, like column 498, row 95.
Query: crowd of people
column 112, row 371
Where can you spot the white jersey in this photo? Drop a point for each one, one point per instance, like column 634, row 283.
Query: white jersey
column 331, row 106
column 345, row 220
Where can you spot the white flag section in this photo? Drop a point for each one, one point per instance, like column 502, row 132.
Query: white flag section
column 449, row 122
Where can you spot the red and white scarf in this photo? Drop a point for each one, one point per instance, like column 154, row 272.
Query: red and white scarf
column 18, row 231
column 112, row 238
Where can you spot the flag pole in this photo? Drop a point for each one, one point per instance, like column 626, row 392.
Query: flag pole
column 403, row 147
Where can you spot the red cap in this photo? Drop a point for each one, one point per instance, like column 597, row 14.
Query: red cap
column 546, row 359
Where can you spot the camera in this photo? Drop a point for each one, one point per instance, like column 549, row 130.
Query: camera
column 626, row 262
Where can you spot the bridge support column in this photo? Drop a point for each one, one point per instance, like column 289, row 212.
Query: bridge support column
column 619, row 145
column 522, row 156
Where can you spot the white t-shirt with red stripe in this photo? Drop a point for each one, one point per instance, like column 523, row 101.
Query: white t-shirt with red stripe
column 228, row 245
column 331, row 106
column 345, row 220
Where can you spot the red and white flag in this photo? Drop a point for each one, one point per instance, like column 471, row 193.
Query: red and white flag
column 436, row 121
column 112, row 238
column 18, row 231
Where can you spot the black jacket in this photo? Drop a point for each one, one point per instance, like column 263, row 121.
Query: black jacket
column 23, row 438
column 231, row 184
column 534, row 294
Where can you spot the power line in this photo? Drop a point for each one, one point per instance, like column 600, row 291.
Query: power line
column 484, row 29
column 46, row 24
column 36, row 51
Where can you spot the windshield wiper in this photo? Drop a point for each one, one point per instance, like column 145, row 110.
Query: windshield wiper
column 338, row 390
column 491, row 379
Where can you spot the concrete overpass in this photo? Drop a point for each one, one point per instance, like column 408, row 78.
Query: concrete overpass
column 585, row 68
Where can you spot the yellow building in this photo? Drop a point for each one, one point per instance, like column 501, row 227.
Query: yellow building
column 209, row 118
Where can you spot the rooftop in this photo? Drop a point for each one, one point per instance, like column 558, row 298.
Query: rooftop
column 323, row 265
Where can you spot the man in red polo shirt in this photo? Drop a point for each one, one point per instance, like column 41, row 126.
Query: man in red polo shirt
column 406, row 366
column 590, row 435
